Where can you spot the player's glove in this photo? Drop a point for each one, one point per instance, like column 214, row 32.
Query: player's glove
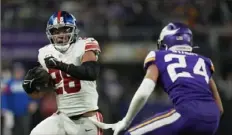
column 52, row 62
column 37, row 79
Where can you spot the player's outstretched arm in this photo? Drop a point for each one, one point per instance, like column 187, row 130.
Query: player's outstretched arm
column 143, row 93
column 138, row 101
column 216, row 95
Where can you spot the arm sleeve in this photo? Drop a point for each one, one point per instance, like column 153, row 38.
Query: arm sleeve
column 86, row 71
column 139, row 99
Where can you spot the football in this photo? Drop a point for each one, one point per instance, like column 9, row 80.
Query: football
column 43, row 80
column 39, row 80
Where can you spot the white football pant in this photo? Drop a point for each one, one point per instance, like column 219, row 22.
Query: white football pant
column 60, row 124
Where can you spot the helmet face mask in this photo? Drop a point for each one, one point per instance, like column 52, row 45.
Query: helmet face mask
column 61, row 36
column 62, row 30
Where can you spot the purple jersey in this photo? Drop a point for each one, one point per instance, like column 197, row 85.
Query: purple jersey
column 184, row 75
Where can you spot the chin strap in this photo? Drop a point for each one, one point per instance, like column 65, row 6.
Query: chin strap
column 185, row 48
column 62, row 48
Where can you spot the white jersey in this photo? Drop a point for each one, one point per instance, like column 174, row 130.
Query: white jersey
column 74, row 96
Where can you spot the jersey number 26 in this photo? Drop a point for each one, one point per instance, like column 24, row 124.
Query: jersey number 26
column 198, row 69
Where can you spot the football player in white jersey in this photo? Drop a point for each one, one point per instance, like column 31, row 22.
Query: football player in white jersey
column 72, row 64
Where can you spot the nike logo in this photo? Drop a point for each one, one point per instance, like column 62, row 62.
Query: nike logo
column 26, row 82
column 87, row 130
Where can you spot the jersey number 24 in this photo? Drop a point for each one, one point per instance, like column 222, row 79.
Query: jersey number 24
column 198, row 69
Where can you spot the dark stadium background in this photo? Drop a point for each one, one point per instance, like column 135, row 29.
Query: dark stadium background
column 126, row 31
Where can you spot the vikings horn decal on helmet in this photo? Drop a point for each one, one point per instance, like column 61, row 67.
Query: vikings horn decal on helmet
column 62, row 30
column 175, row 36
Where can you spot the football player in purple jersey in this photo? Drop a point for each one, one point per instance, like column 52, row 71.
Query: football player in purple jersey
column 187, row 78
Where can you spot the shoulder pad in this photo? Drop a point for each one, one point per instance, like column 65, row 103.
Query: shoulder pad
column 45, row 47
column 211, row 65
column 149, row 58
column 42, row 54
column 91, row 45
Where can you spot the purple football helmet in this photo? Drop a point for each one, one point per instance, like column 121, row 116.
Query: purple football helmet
column 175, row 36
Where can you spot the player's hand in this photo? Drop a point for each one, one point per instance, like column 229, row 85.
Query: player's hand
column 120, row 126
column 117, row 127
column 51, row 62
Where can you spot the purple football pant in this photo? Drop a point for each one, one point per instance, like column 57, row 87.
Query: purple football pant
column 173, row 123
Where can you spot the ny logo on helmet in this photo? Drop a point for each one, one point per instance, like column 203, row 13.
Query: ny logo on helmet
column 56, row 21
